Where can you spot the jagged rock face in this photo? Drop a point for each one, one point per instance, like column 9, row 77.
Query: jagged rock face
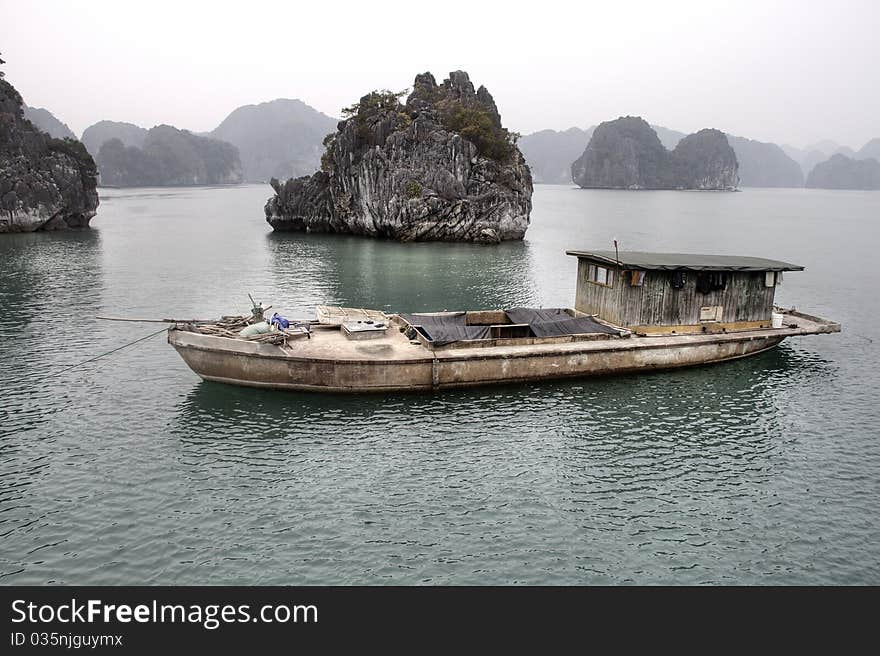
column 627, row 154
column 169, row 157
column 705, row 160
column 45, row 183
column 439, row 168
column 842, row 172
column 623, row 154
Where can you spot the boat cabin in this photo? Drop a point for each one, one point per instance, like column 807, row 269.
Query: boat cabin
column 674, row 293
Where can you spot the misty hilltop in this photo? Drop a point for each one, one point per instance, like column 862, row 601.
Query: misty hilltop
column 842, row 172
column 870, row 149
column 48, row 123
column 281, row 138
column 550, row 154
column 438, row 167
column 169, row 157
column 763, row 164
column 96, row 135
column 626, row 153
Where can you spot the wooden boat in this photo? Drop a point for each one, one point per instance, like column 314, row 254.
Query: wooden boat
column 655, row 312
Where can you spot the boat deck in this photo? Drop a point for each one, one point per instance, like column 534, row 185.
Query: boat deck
column 331, row 344
column 330, row 361
column 794, row 323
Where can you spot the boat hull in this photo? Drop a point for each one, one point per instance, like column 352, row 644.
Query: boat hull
column 266, row 366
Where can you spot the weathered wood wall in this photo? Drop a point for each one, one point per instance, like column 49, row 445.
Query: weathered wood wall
column 656, row 303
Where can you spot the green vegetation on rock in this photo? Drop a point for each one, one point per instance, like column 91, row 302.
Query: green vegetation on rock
column 477, row 125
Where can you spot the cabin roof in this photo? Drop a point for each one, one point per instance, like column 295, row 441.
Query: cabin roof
column 686, row 261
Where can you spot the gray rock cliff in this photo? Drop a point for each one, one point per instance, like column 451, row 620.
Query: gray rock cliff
column 438, row 168
column 45, row 183
column 705, row 160
column 627, row 154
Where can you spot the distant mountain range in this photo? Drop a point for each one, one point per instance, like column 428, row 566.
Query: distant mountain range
column 764, row 164
column 46, row 121
column 761, row 164
column 281, row 138
column 627, row 153
column 278, row 139
column 549, row 153
column 870, row 149
column 129, row 134
column 168, row 157
column 842, row 172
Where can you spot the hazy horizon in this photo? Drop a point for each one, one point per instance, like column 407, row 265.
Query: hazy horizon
column 779, row 72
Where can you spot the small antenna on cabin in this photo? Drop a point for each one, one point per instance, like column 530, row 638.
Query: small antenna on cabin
column 616, row 253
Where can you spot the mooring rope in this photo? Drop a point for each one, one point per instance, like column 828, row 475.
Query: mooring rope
column 98, row 357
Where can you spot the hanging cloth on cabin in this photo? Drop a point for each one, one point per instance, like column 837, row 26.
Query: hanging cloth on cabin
column 677, row 279
column 704, row 282
column 718, row 280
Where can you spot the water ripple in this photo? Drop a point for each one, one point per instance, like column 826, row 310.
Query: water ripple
column 132, row 471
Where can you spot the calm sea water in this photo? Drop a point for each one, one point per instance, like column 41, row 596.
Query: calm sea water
column 131, row 470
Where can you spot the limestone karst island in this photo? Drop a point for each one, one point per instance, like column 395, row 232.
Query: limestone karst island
column 628, row 154
column 45, row 183
column 438, row 166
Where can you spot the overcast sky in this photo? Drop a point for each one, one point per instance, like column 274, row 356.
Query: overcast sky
column 790, row 72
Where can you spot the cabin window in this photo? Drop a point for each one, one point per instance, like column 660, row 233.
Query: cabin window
column 600, row 275
column 772, row 278
column 677, row 279
column 636, row 278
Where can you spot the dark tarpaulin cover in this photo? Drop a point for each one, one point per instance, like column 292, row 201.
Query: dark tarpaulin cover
column 447, row 328
column 551, row 322
column 545, row 322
